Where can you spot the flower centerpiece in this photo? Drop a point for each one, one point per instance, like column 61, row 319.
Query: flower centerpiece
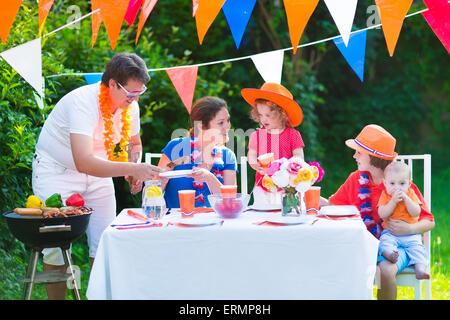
column 291, row 176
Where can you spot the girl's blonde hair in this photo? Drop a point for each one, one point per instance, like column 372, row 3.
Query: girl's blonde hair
column 274, row 108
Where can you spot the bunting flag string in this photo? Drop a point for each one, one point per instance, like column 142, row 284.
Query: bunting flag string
column 343, row 14
column 269, row 64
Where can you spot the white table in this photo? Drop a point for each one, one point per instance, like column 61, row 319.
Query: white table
column 238, row 260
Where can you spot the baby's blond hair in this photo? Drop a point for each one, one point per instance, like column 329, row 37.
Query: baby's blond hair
column 398, row 167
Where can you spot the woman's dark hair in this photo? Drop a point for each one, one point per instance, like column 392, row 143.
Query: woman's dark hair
column 205, row 109
column 378, row 162
column 125, row 66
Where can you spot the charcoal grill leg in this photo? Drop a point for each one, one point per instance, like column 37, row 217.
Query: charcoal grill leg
column 31, row 275
column 68, row 261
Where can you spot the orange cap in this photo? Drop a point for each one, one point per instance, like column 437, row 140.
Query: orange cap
column 375, row 141
column 279, row 95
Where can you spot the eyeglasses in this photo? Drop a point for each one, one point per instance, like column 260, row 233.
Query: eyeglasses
column 132, row 94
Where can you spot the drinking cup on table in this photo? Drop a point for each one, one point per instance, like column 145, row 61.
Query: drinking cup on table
column 312, row 200
column 187, row 203
column 228, row 191
column 265, row 160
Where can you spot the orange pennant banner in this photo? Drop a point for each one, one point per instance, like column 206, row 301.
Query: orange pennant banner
column 44, row 9
column 206, row 12
column 146, row 9
column 392, row 13
column 96, row 21
column 298, row 13
column 113, row 14
column 8, row 12
column 184, row 81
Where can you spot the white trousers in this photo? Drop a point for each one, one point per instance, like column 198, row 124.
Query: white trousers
column 98, row 193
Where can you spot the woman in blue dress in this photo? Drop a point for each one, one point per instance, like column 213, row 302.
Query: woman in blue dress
column 204, row 152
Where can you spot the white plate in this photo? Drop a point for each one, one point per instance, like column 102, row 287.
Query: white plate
column 199, row 220
column 265, row 207
column 175, row 173
column 338, row 211
column 288, row 219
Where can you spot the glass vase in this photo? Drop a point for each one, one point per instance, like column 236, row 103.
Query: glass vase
column 290, row 202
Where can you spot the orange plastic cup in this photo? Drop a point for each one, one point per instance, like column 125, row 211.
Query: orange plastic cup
column 228, row 191
column 265, row 160
column 187, row 203
column 312, row 200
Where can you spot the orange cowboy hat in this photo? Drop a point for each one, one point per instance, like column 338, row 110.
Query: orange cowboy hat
column 279, row 95
column 375, row 141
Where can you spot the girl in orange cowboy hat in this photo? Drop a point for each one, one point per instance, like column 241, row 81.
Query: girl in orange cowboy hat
column 274, row 108
column 374, row 151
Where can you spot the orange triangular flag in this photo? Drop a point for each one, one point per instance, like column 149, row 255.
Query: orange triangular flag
column 184, row 80
column 113, row 13
column 44, row 8
column 96, row 21
column 392, row 13
column 8, row 12
column 298, row 13
column 206, row 12
column 146, row 9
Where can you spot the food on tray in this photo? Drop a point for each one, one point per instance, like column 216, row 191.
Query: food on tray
column 52, row 212
column 28, row 211
column 34, row 202
column 177, row 162
column 75, row 200
column 54, row 201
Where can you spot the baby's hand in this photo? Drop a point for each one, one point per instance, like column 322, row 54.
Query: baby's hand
column 397, row 196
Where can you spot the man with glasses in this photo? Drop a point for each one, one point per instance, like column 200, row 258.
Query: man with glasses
column 77, row 148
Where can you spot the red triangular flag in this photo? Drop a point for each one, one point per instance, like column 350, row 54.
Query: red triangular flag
column 147, row 8
column 438, row 18
column 132, row 11
column 184, row 80
column 8, row 12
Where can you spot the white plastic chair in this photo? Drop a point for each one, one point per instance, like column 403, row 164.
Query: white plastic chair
column 244, row 189
column 407, row 278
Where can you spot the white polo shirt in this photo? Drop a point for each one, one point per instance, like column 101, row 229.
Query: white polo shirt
column 79, row 112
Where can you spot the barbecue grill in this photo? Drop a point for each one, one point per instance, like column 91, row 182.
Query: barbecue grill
column 39, row 233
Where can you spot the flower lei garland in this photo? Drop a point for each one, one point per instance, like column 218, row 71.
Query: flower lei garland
column 365, row 206
column 196, row 156
column 105, row 109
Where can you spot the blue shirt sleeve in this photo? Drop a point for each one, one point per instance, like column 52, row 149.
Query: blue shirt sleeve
column 177, row 148
column 229, row 159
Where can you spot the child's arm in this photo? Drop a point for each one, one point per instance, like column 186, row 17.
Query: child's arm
column 298, row 153
column 412, row 207
column 386, row 211
column 253, row 160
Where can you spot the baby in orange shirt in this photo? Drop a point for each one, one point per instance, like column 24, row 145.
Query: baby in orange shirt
column 399, row 201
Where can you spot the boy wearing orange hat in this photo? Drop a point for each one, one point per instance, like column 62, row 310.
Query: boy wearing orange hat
column 374, row 151
column 277, row 112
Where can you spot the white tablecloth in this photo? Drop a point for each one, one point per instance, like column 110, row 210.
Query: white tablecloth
column 238, row 260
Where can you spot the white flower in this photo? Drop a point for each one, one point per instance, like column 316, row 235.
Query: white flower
column 303, row 186
column 281, row 178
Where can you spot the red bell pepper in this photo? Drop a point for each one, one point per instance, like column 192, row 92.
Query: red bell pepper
column 75, row 200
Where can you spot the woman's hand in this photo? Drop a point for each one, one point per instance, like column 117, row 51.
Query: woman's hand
column 399, row 227
column 145, row 171
column 135, row 184
column 201, row 174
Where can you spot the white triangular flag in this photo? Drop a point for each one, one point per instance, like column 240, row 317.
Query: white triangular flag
column 343, row 13
column 269, row 65
column 27, row 61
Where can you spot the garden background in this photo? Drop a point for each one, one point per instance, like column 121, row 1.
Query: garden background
column 408, row 94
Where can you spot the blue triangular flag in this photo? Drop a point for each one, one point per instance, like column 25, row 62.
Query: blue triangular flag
column 355, row 52
column 93, row 77
column 237, row 13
